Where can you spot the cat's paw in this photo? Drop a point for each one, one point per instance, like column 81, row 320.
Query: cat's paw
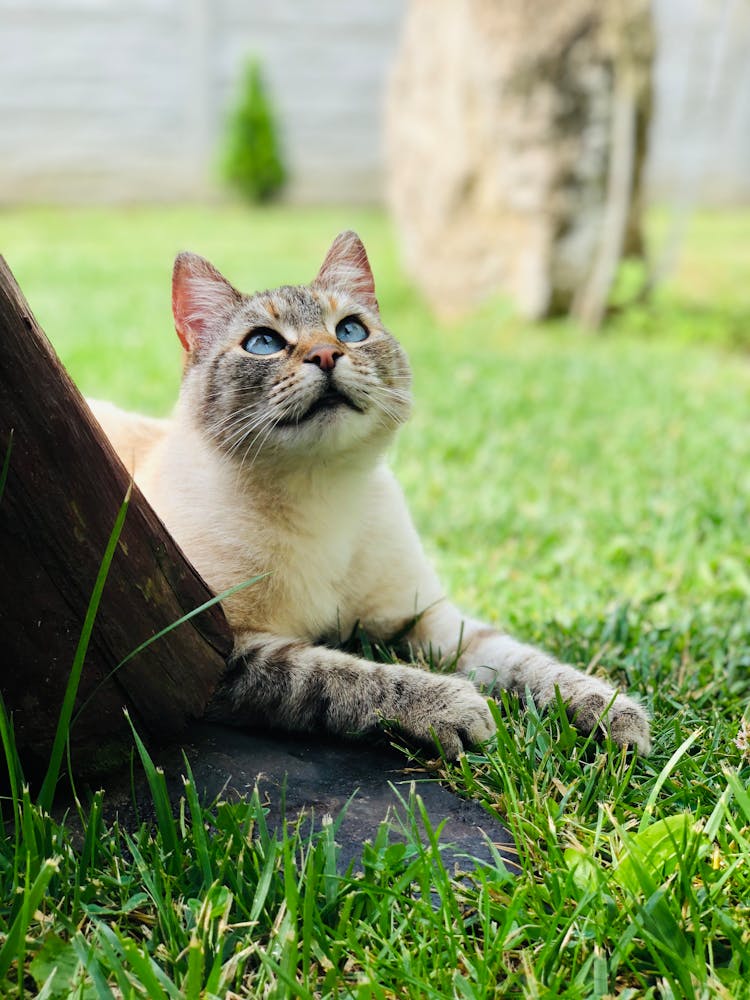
column 624, row 720
column 449, row 711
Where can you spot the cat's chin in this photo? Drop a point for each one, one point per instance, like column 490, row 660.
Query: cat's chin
column 338, row 429
column 330, row 404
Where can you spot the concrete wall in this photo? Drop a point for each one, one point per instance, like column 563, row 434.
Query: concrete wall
column 96, row 100
column 126, row 99
column 700, row 139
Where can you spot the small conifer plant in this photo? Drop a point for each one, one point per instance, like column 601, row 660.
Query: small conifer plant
column 252, row 161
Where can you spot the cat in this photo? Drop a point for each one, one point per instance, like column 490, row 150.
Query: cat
column 273, row 466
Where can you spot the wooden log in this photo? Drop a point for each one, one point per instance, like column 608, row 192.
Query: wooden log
column 64, row 488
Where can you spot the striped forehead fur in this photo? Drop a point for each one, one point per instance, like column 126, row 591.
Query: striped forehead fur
column 289, row 305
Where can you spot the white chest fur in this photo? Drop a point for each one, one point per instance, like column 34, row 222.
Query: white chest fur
column 304, row 534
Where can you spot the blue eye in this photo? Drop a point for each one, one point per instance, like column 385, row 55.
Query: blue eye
column 263, row 341
column 351, row 331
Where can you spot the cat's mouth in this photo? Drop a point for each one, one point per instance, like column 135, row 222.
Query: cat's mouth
column 330, row 400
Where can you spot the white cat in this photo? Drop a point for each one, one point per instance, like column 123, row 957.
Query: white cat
column 273, row 464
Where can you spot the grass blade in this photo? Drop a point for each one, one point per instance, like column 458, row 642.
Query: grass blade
column 15, row 775
column 198, row 830
column 162, row 804
column 170, row 628
column 49, row 784
column 740, row 792
column 680, row 752
column 32, row 896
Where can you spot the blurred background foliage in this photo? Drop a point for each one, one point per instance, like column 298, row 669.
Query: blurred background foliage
column 252, row 162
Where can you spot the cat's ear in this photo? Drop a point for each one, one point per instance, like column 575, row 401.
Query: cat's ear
column 199, row 295
column 346, row 266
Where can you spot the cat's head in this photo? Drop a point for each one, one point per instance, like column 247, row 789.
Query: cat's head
column 305, row 370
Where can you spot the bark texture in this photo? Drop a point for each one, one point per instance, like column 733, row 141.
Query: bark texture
column 500, row 122
column 63, row 491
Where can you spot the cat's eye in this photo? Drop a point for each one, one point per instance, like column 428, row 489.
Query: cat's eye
column 350, row 330
column 263, row 340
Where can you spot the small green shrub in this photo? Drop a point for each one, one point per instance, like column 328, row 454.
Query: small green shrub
column 252, row 161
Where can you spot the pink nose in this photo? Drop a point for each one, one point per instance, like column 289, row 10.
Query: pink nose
column 324, row 356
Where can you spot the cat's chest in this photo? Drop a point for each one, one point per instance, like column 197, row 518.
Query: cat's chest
column 315, row 584
column 312, row 547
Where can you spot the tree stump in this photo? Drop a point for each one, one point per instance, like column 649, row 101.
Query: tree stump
column 64, row 488
column 505, row 120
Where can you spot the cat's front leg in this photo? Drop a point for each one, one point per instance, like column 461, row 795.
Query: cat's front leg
column 291, row 685
column 494, row 661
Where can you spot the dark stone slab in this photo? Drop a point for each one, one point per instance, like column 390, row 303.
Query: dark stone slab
column 316, row 778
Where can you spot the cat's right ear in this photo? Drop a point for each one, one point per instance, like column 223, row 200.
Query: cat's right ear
column 200, row 294
column 346, row 266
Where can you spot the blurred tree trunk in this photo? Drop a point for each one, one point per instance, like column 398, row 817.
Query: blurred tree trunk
column 64, row 488
column 516, row 136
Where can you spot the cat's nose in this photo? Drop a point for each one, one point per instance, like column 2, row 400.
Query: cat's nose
column 324, row 356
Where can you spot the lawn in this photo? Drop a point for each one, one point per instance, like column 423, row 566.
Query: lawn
column 593, row 494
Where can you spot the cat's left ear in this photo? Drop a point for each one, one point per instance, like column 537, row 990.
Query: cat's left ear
column 346, row 267
column 200, row 296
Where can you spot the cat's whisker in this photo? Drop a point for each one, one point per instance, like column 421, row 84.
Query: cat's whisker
column 260, row 442
column 234, row 443
column 240, row 417
column 226, row 422
column 220, row 392
column 219, row 400
column 389, row 390
column 248, row 430
column 239, row 424
column 241, row 435
column 248, row 434
column 226, row 429
column 254, row 442
column 387, row 400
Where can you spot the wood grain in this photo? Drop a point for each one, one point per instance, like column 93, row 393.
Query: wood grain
column 64, row 488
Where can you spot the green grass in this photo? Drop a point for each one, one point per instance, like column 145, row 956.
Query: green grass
column 592, row 493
